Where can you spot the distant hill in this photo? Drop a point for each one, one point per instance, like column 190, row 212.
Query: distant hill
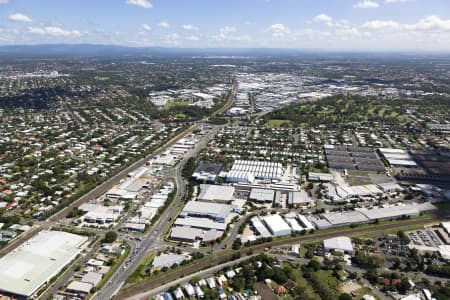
column 96, row 50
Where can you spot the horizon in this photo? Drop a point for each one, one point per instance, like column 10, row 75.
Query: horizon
column 350, row 25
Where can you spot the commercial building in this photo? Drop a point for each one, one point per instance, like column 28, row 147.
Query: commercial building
column 297, row 199
column 262, row 195
column 215, row 193
column 33, row 264
column 324, row 177
column 276, row 225
column 340, row 243
column 168, row 260
column 215, row 211
column 192, row 235
column 259, row 169
column 207, row 172
column 259, row 227
column 100, row 214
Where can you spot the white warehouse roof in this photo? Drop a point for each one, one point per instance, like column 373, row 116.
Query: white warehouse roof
column 211, row 192
column 277, row 225
column 31, row 265
column 340, row 243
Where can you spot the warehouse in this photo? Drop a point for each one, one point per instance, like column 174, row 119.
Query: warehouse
column 215, row 211
column 240, row 177
column 324, row 177
column 345, row 218
column 34, row 263
column 216, row 193
column 262, row 195
column 340, row 243
column 389, row 213
column 207, row 172
column 297, row 199
column 259, row 169
column 100, row 214
column 259, row 227
column 276, row 225
column 192, row 235
column 201, row 223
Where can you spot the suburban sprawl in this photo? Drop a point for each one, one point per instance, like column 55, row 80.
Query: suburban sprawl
column 234, row 177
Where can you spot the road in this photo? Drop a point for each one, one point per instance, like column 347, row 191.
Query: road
column 186, row 279
column 154, row 238
column 220, row 258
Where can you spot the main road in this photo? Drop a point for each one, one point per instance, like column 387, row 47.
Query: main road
column 151, row 241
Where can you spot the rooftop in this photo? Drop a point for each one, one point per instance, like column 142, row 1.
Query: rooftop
column 24, row 270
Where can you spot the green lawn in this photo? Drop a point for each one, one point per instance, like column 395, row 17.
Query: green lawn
column 171, row 104
column 276, row 123
column 139, row 273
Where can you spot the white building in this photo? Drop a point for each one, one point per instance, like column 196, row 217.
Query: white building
column 276, row 225
column 34, row 263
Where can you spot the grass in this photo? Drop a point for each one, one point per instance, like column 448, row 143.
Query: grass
column 139, row 273
column 303, row 284
column 327, row 277
column 443, row 207
column 172, row 104
column 276, row 123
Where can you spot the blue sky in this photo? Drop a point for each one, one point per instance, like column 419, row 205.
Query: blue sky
column 396, row 25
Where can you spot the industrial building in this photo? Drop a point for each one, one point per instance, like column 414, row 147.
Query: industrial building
column 100, row 214
column 262, row 195
column 276, row 225
column 323, row 177
column 215, row 211
column 216, row 193
column 191, row 235
column 297, row 199
column 207, row 172
column 259, row 227
column 34, row 263
column 340, row 243
column 398, row 157
column 168, row 260
column 258, row 169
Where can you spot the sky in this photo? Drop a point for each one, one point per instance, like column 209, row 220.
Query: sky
column 352, row 25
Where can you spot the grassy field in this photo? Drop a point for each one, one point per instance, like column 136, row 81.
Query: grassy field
column 171, row 104
column 139, row 273
column 276, row 123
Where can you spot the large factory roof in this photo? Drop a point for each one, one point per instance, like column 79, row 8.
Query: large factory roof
column 24, row 270
column 209, row 192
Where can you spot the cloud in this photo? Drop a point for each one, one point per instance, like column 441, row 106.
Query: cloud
column 19, row 18
column 278, row 30
column 164, row 24
column 141, row 3
column 227, row 29
column 146, row 27
column 427, row 24
column 322, row 18
column 366, row 4
column 4, row 1
column 381, row 25
column 193, row 38
column 397, row 1
column 430, row 23
column 54, row 31
column 189, row 27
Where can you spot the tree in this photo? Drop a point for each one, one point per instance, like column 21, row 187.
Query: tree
column 236, row 244
column 345, row 296
column 404, row 285
column 110, row 237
